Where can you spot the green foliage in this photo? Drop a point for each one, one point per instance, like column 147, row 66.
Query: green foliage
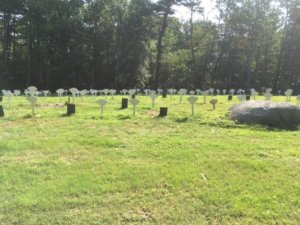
column 125, row 169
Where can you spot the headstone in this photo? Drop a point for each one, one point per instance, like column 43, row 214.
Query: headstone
column 74, row 92
column 135, row 103
column 32, row 100
column 230, row 97
column 153, row 98
column 163, row 111
column 102, row 103
column 124, row 103
column 214, row 103
column 193, row 100
column 248, row 97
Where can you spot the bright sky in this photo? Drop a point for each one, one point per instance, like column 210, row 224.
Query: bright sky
column 209, row 11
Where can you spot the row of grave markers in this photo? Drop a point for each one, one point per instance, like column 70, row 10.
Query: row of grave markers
column 32, row 95
column 33, row 91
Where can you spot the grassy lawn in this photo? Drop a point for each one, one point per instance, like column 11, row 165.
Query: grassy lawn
column 125, row 169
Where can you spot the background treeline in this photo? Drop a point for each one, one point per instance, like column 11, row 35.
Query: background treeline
column 138, row 43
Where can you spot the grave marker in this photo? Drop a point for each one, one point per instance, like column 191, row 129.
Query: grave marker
column 32, row 100
column 74, row 92
column 193, row 100
column 124, row 103
column 153, row 98
column 102, row 103
column 135, row 103
column 60, row 93
column 163, row 111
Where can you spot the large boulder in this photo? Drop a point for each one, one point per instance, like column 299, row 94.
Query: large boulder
column 276, row 114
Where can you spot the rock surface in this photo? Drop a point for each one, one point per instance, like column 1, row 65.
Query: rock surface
column 277, row 114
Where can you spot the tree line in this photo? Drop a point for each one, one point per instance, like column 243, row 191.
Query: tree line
column 139, row 43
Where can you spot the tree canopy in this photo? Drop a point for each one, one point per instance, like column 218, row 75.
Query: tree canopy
column 139, row 43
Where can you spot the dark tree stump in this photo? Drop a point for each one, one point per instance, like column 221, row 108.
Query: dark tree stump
column 124, row 103
column 230, row 97
column 70, row 109
column 163, row 111
column 248, row 98
column 132, row 96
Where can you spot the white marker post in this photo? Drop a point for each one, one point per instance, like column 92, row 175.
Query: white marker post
column 193, row 100
column 181, row 92
column 102, row 103
column 153, row 97
column 135, row 103
column 74, row 92
column 32, row 90
column 10, row 96
column 60, row 93
column 204, row 93
column 32, row 100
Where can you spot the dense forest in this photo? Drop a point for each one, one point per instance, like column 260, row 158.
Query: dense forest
column 139, row 43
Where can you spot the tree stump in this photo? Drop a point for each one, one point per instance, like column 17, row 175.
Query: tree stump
column 124, row 103
column 70, row 109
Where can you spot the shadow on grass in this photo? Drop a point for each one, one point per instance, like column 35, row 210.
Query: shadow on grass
column 123, row 117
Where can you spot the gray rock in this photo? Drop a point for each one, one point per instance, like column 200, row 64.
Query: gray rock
column 276, row 114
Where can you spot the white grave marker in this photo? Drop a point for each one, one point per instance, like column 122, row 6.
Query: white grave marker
column 32, row 100
column 193, row 100
column 204, row 93
column 17, row 92
column 288, row 94
column 135, row 103
column 32, row 90
column 74, row 92
column 10, row 96
column 181, row 92
column 46, row 92
column 242, row 98
column 153, row 96
column 60, row 93
column 268, row 96
column 102, row 103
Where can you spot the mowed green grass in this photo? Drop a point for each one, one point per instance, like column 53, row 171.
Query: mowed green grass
column 125, row 169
